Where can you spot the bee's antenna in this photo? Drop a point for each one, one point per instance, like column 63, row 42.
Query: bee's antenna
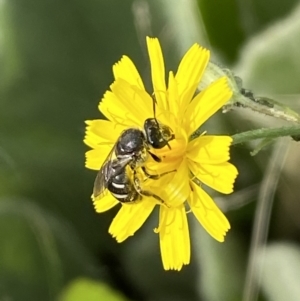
column 168, row 145
column 154, row 102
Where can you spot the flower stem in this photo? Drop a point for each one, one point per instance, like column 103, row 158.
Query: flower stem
column 293, row 130
column 245, row 99
column 261, row 222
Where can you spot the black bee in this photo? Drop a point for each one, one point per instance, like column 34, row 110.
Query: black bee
column 131, row 151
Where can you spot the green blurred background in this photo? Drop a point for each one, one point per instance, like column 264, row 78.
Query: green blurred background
column 56, row 62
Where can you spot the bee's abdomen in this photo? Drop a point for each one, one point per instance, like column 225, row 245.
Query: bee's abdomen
column 122, row 188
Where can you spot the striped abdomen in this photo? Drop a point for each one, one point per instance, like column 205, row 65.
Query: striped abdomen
column 122, row 188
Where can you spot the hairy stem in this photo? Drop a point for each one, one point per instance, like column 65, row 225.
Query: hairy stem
column 293, row 130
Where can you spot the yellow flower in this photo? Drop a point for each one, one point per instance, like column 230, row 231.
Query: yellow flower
column 190, row 162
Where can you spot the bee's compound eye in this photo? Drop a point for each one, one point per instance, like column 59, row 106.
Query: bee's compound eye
column 167, row 133
column 157, row 134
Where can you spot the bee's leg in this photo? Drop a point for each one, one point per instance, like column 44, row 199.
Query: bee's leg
column 150, row 194
column 154, row 157
column 155, row 177
column 146, row 192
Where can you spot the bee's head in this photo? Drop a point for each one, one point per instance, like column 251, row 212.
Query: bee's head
column 158, row 135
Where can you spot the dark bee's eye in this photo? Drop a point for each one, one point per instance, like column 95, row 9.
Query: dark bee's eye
column 157, row 134
column 166, row 133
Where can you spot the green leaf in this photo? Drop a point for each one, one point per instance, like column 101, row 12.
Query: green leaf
column 174, row 17
column 270, row 61
column 222, row 21
column 89, row 290
column 56, row 63
column 221, row 265
column 262, row 144
column 38, row 253
column 280, row 271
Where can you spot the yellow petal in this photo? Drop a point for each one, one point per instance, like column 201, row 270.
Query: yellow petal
column 173, row 101
column 104, row 203
column 189, row 74
column 126, row 104
column 157, row 71
column 219, row 177
column 95, row 158
column 177, row 190
column 178, row 147
column 126, row 70
column 130, row 218
column 206, row 103
column 102, row 132
column 161, row 167
column 174, row 237
column 209, row 149
column 208, row 214
column 116, row 110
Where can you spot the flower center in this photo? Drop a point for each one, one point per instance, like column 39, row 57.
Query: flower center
column 177, row 149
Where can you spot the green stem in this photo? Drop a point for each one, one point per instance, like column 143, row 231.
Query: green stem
column 293, row 130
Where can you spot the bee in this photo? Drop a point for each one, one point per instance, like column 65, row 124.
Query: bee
column 131, row 151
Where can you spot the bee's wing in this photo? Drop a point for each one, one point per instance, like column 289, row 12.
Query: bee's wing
column 104, row 175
